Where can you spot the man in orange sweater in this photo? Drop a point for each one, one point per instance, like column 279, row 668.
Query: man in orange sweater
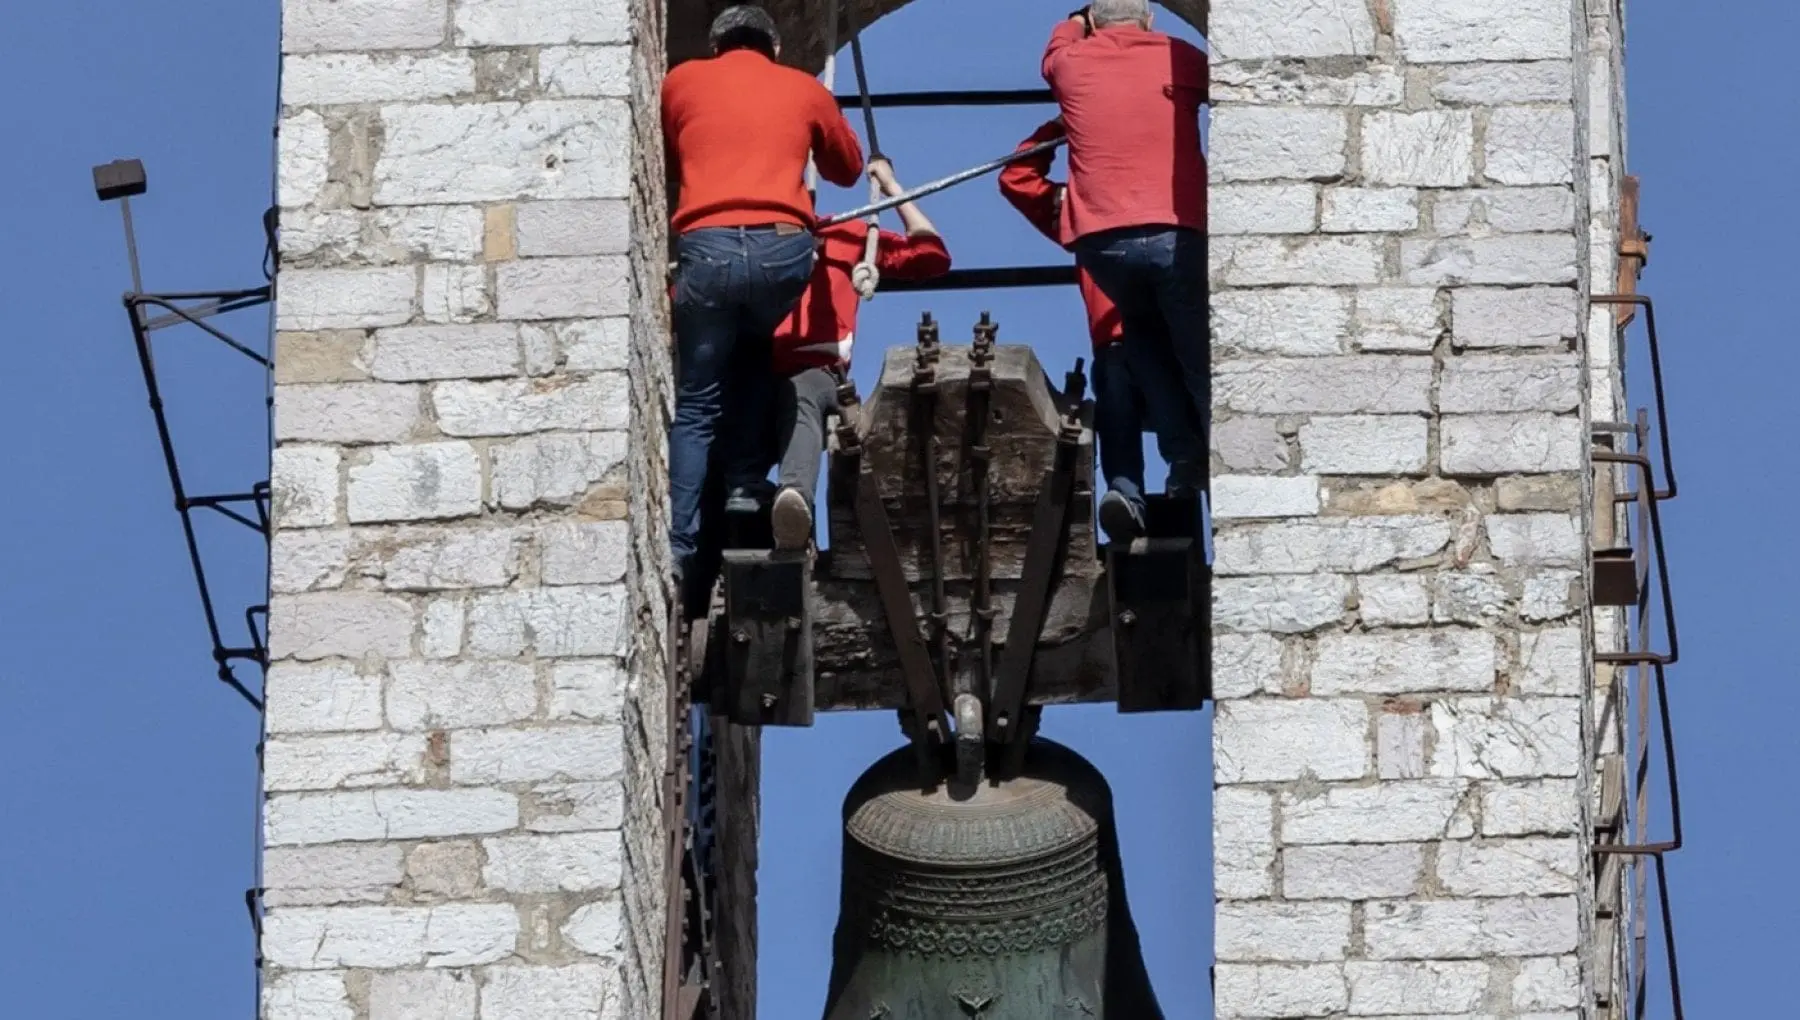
column 739, row 128
column 1121, row 393
column 813, row 346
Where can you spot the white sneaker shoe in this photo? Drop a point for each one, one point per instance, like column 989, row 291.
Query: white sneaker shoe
column 791, row 519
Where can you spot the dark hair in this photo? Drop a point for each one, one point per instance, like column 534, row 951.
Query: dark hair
column 745, row 27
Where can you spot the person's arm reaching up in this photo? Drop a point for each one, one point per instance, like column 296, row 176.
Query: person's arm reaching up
column 836, row 151
column 911, row 215
column 1027, row 184
column 919, row 254
column 1074, row 28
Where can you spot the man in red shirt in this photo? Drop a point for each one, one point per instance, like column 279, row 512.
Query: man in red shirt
column 813, row 345
column 1135, row 214
column 1121, row 395
column 739, row 128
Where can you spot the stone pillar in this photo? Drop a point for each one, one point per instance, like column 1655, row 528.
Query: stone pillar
column 1401, row 207
column 466, row 721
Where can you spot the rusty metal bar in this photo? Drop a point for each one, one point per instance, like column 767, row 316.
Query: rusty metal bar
column 978, row 455
column 924, row 410
column 1656, row 380
column 1647, row 501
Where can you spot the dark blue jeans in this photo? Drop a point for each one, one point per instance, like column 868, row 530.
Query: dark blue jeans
column 1157, row 277
column 733, row 286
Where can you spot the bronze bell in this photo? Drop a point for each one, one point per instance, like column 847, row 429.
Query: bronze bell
column 1004, row 902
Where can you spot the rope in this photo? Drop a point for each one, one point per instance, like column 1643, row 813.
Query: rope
column 875, row 208
column 866, row 277
column 829, row 79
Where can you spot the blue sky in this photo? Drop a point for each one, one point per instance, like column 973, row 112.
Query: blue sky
column 129, row 787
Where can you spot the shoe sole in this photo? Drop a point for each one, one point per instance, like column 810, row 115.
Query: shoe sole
column 791, row 520
column 1116, row 520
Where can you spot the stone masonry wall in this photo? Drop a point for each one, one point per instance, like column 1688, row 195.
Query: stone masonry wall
column 1401, row 211
column 466, row 720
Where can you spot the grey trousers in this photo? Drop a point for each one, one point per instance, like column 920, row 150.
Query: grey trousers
column 801, row 403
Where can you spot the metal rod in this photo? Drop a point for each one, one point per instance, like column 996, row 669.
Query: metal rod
column 131, row 247
column 1656, row 379
column 953, row 97
column 136, row 300
column 862, row 84
column 997, row 278
column 940, row 184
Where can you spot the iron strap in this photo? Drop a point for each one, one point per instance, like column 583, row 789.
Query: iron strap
column 925, row 695
column 978, row 456
column 1042, row 554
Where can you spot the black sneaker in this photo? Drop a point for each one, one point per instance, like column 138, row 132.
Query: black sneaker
column 1186, row 480
column 1120, row 518
column 791, row 519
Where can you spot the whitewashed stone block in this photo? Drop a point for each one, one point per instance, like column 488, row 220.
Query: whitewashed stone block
column 1349, row 545
column 496, row 152
column 1394, row 812
column 1252, row 143
column 595, row 345
column 585, row 552
column 1470, row 929
column 1531, row 145
column 587, row 991
column 1551, row 595
column 1275, row 990
column 1373, row 445
column 1352, row 872
column 1515, row 383
column 451, row 293
column 585, row 71
column 347, row 78
column 1435, row 986
column 541, row 22
column 597, row 929
column 1484, row 211
column 592, row 691
column 1291, row 28
column 1458, row 31
column 1248, row 496
column 1322, row 261
column 317, row 875
column 1279, row 605
column 1407, row 662
column 1552, row 662
column 452, row 935
column 600, row 227
column 1393, row 600
column 1286, row 932
column 1546, row 81
column 306, row 995
column 1249, row 444
column 343, row 762
column 564, row 288
column 1535, row 539
column 1431, row 148
column 1293, row 321
column 455, row 695
column 554, row 470
column 1531, row 317
column 304, row 486
column 441, row 630
column 427, row 481
column 576, row 807
column 1402, row 319
column 1262, row 209
column 1400, row 745
column 561, row 622
column 1547, row 983
column 308, row 559
column 346, row 413
column 1260, row 741
column 577, row 862
column 1507, row 738
column 1243, row 842
column 1510, row 867
column 517, row 407
column 561, row 753
column 303, row 155
column 1509, row 443
column 310, row 26
column 350, row 624
column 1369, row 210
column 366, row 815
column 321, row 699
column 1504, row 258
column 422, row 995
column 313, row 299
column 1546, row 807
column 1246, row 664
column 1364, row 384
column 437, row 560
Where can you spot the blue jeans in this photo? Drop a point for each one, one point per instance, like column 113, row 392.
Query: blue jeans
column 733, row 286
column 1157, row 277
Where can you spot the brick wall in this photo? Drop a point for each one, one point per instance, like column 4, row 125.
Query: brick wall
column 465, row 724
column 1403, row 753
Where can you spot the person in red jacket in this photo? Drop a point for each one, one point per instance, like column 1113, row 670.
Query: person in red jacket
column 813, row 345
column 739, row 128
column 1121, row 395
column 1135, row 212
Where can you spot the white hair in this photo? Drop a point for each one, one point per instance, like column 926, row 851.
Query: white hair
column 1113, row 12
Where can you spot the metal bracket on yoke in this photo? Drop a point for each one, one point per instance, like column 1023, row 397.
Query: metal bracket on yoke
column 978, row 455
column 1158, row 587
column 768, row 616
column 1007, row 725
column 925, row 720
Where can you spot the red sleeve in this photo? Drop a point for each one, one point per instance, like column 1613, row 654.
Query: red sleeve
column 1027, row 184
column 835, row 148
column 1188, row 63
column 671, row 91
column 1067, row 34
column 911, row 257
